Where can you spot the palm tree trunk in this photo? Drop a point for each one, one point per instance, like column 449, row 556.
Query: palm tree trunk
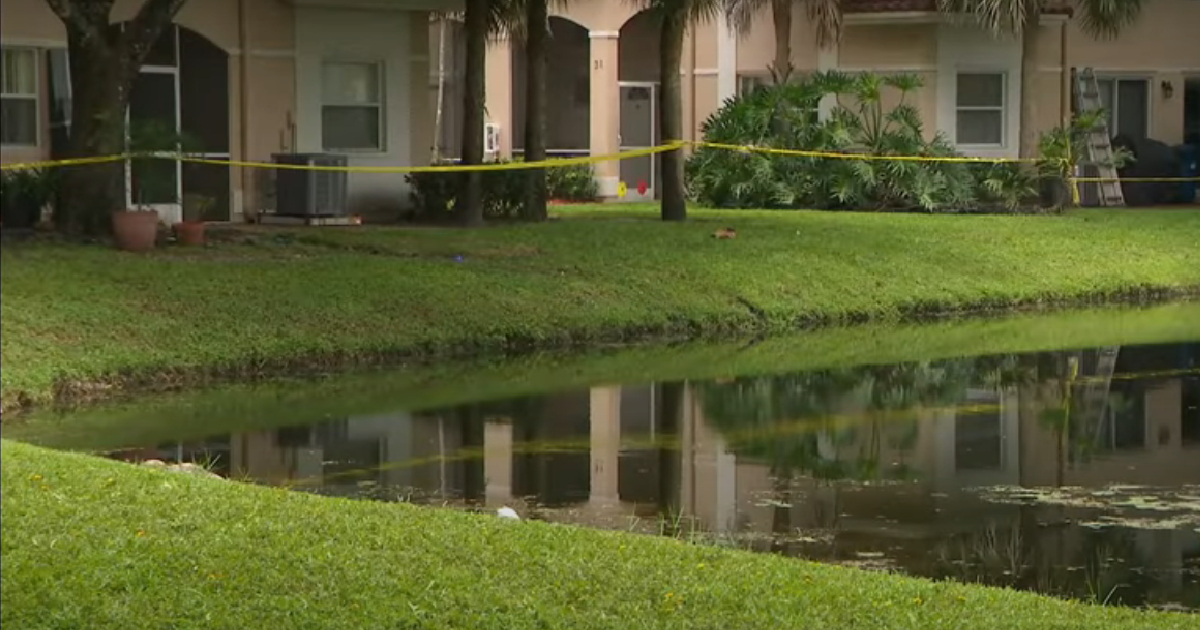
column 674, row 195
column 781, row 17
column 441, row 91
column 536, row 37
column 470, row 202
column 1028, row 147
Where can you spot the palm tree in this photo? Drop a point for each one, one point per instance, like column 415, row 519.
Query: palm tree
column 537, row 35
column 1099, row 18
column 470, row 204
column 825, row 15
column 481, row 19
column 674, row 17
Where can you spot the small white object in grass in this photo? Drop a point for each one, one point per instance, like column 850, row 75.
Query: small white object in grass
column 507, row 512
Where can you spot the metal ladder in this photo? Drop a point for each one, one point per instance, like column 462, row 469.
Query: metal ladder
column 1096, row 390
column 1098, row 144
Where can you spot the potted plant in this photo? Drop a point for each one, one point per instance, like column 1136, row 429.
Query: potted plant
column 153, row 143
column 23, row 195
column 1060, row 150
column 190, row 231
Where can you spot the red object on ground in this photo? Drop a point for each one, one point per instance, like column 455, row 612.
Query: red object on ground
column 642, row 186
column 189, row 232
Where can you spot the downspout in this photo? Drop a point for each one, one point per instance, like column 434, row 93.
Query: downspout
column 244, row 101
column 1065, row 87
column 691, row 133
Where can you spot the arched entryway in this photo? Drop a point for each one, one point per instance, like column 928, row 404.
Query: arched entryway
column 568, row 91
column 638, row 74
column 183, row 86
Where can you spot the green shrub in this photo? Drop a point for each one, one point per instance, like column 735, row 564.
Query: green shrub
column 23, row 194
column 572, row 183
column 785, row 117
column 435, row 193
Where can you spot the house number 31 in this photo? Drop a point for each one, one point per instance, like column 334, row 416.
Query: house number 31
column 597, row 64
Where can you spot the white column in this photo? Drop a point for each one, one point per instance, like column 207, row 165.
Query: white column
column 605, row 108
column 498, row 94
column 726, row 487
column 727, row 40
column 605, row 444
column 827, row 60
column 497, row 462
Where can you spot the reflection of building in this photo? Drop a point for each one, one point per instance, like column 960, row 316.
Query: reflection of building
column 894, row 481
column 390, row 450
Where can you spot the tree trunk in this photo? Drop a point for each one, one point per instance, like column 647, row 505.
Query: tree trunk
column 781, row 16
column 1028, row 147
column 670, row 403
column 104, row 61
column 441, row 91
column 536, row 27
column 101, row 81
column 674, row 195
column 470, row 202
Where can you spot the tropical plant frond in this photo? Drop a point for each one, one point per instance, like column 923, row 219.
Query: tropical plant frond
column 999, row 17
column 1104, row 19
column 826, row 18
column 741, row 13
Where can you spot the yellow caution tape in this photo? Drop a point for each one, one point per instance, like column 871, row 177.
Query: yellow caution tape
column 576, row 161
column 748, row 148
column 22, row 166
column 1137, row 179
column 492, row 166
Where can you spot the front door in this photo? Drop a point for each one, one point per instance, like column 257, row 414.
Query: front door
column 183, row 86
column 639, row 130
column 154, row 115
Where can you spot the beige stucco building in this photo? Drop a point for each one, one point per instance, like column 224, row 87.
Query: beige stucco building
column 362, row 77
column 249, row 78
column 604, row 70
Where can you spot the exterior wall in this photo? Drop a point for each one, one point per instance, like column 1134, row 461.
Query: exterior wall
column 756, row 45
column 1161, row 46
column 323, row 33
column 896, row 49
column 29, row 23
column 277, row 117
column 619, row 47
column 270, row 38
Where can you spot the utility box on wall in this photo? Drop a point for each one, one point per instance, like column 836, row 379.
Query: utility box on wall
column 491, row 140
column 301, row 192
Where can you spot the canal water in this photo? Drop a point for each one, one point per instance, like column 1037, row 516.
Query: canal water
column 1074, row 473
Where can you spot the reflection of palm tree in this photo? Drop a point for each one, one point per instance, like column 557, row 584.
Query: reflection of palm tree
column 751, row 411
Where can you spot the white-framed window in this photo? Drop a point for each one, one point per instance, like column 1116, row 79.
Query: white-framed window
column 352, row 106
column 1126, row 102
column 980, row 105
column 19, row 97
column 748, row 82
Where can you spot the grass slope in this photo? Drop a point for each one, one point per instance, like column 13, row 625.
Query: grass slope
column 74, row 315
column 195, row 414
column 98, row 544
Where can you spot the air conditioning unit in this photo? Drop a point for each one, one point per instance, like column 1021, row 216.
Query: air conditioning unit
column 310, row 193
column 491, row 138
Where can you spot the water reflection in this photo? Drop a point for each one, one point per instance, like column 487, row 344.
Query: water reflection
column 874, row 466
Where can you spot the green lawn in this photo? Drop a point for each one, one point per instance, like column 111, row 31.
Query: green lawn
column 245, row 406
column 90, row 543
column 87, row 320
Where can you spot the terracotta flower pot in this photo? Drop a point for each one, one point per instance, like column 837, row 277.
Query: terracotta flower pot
column 189, row 232
column 135, row 230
